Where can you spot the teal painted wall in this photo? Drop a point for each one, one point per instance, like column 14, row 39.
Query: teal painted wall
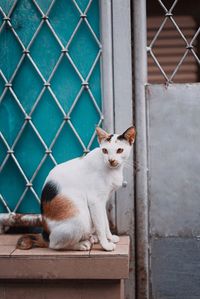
column 46, row 105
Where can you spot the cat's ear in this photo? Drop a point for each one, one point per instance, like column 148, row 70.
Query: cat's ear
column 101, row 134
column 128, row 135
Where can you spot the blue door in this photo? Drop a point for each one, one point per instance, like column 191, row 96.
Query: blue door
column 50, row 54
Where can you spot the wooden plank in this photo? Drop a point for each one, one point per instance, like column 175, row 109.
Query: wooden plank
column 64, row 267
column 122, row 248
column 47, row 252
column 44, row 263
column 124, row 240
column 2, row 290
column 83, row 289
column 9, row 239
column 6, row 250
column 16, row 290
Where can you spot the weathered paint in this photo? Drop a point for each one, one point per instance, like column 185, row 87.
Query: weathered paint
column 174, row 159
column 141, row 193
column 173, row 185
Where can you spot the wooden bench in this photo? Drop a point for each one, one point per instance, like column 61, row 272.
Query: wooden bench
column 46, row 274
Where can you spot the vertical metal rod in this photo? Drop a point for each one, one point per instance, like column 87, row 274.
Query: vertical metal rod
column 140, row 77
column 123, row 112
column 107, row 64
column 107, row 82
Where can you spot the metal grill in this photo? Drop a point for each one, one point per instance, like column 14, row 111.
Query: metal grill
column 188, row 44
column 49, row 114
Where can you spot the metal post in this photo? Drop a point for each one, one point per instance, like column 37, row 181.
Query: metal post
column 107, row 83
column 123, row 111
column 107, row 65
column 140, row 77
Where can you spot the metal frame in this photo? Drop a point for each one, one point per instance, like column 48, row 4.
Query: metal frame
column 107, row 82
column 117, row 97
column 140, row 80
column 123, row 111
column 13, row 219
column 107, row 64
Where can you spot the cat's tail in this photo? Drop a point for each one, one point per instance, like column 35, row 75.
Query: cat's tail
column 30, row 241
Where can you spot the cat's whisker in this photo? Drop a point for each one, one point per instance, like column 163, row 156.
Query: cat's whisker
column 136, row 165
column 131, row 166
column 127, row 166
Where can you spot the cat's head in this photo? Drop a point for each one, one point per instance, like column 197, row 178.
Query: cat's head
column 115, row 148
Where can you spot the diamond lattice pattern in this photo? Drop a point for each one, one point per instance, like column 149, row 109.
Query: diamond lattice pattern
column 50, row 92
column 180, row 41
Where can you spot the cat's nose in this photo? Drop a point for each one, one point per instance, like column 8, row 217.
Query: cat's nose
column 112, row 162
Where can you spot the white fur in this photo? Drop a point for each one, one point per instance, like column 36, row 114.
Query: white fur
column 88, row 182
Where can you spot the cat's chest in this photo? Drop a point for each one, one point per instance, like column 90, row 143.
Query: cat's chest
column 104, row 182
column 115, row 181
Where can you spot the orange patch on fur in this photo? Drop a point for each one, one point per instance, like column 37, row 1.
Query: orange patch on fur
column 129, row 135
column 101, row 134
column 30, row 241
column 59, row 208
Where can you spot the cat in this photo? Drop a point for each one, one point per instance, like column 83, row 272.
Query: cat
column 75, row 193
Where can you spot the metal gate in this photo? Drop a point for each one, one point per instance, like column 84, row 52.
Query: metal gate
column 70, row 69
column 167, row 118
column 50, row 83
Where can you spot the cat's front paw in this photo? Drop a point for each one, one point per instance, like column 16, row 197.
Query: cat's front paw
column 94, row 239
column 83, row 245
column 108, row 246
column 114, row 238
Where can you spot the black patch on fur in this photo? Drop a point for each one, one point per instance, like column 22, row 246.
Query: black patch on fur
column 121, row 137
column 109, row 138
column 45, row 236
column 19, row 242
column 49, row 191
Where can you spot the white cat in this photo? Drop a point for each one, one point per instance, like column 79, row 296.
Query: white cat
column 74, row 197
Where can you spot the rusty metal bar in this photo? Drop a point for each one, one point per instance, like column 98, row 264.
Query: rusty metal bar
column 141, row 201
column 13, row 219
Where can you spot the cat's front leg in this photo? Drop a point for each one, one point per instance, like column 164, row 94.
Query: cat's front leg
column 109, row 235
column 97, row 212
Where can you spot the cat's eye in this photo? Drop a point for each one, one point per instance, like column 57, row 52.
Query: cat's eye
column 120, row 150
column 104, row 150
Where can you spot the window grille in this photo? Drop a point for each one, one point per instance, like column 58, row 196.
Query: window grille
column 173, row 29
column 50, row 92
